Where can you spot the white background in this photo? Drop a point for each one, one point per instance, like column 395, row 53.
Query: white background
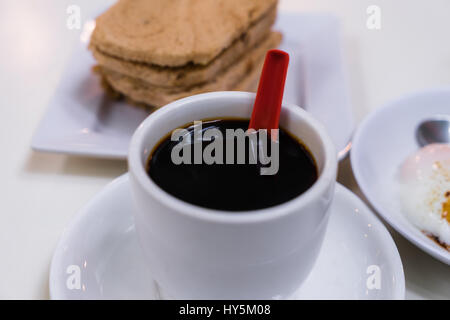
column 39, row 193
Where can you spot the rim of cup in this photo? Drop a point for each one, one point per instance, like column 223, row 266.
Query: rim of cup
column 138, row 170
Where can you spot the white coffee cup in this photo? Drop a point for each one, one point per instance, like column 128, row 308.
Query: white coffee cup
column 198, row 253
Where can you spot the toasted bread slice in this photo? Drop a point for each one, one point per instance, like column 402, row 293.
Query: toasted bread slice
column 175, row 32
column 191, row 74
column 241, row 76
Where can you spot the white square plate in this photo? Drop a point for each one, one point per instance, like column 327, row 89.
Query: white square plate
column 81, row 120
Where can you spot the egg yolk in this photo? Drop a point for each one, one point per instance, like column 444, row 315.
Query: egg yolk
column 446, row 207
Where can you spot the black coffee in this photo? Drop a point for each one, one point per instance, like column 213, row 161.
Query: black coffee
column 232, row 187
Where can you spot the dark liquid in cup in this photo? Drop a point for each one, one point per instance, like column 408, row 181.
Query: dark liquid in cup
column 233, row 187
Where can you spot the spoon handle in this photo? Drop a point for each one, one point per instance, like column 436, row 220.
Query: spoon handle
column 267, row 108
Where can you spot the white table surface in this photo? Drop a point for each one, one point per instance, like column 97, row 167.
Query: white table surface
column 40, row 193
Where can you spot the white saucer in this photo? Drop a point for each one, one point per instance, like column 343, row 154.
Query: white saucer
column 81, row 120
column 381, row 144
column 101, row 247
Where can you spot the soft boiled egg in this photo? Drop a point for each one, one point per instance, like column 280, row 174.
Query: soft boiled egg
column 425, row 191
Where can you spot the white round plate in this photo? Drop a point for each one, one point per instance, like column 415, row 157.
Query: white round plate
column 381, row 144
column 99, row 257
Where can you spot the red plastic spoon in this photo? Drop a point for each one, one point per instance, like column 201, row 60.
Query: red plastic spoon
column 267, row 108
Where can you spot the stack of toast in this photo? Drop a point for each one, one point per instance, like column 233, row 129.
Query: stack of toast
column 156, row 51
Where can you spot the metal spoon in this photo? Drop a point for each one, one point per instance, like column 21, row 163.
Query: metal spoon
column 434, row 130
